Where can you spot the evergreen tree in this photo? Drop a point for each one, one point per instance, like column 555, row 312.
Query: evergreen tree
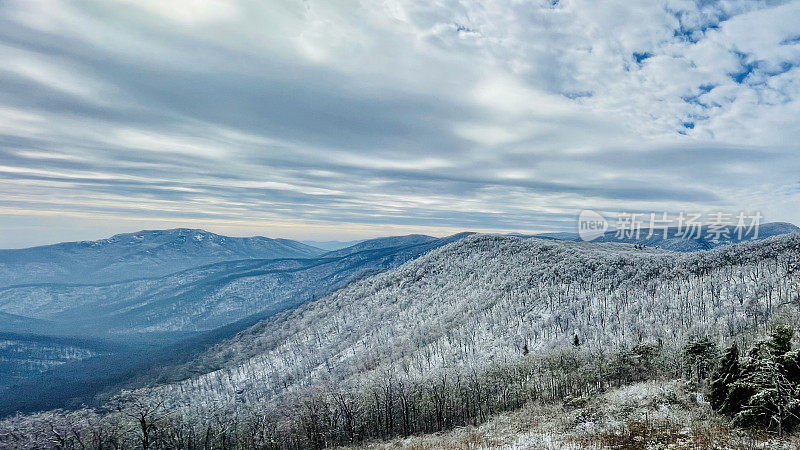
column 726, row 374
column 791, row 365
column 780, row 340
column 699, row 354
column 767, row 393
column 645, row 357
column 780, row 346
column 740, row 391
column 774, row 403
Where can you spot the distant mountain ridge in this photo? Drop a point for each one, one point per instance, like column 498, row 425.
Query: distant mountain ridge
column 147, row 253
column 383, row 242
column 702, row 239
column 208, row 296
column 332, row 245
column 196, row 305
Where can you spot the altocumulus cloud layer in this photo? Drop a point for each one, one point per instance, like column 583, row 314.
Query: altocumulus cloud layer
column 322, row 119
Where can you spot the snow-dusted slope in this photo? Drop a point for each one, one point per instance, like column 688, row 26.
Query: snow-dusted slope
column 136, row 255
column 152, row 311
column 650, row 415
column 480, row 326
column 23, row 354
column 480, row 309
column 201, row 298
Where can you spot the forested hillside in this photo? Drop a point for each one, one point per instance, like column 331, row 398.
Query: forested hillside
column 480, row 326
column 204, row 297
column 204, row 304
column 23, row 354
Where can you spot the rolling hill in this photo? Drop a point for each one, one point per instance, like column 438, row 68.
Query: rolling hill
column 198, row 306
column 408, row 335
column 147, row 253
column 477, row 327
column 205, row 297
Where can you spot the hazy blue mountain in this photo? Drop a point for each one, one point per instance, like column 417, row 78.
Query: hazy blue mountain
column 331, row 245
column 15, row 323
column 202, row 304
column 702, row 240
column 384, row 242
column 146, row 253
column 205, row 297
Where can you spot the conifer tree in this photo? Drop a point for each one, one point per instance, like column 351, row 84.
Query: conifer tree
column 766, row 393
column 699, row 355
column 780, row 340
column 726, row 374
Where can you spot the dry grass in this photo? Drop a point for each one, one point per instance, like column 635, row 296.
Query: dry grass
column 646, row 416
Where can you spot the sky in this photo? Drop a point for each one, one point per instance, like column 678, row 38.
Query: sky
column 354, row 119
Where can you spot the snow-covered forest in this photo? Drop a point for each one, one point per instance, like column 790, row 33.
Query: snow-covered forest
column 139, row 319
column 483, row 325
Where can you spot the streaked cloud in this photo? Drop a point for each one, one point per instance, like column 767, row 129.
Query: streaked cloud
column 337, row 120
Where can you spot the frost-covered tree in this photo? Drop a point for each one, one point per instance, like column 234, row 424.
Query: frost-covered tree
column 700, row 354
column 774, row 402
column 145, row 412
column 765, row 393
column 727, row 373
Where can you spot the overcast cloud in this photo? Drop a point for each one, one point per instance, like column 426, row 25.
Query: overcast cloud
column 350, row 119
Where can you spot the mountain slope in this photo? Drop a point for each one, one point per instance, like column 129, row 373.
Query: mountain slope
column 21, row 354
column 195, row 303
column 483, row 325
column 206, row 297
column 483, row 310
column 649, row 415
column 704, row 239
column 146, row 253
column 384, row 242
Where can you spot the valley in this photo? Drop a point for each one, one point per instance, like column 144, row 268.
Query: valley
column 149, row 319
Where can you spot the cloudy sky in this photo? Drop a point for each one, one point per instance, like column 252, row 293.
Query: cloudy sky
column 347, row 119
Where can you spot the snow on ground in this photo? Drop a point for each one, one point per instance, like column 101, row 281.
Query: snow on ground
column 641, row 416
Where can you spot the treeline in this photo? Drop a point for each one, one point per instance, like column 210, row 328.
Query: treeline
column 387, row 405
column 760, row 390
column 383, row 406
